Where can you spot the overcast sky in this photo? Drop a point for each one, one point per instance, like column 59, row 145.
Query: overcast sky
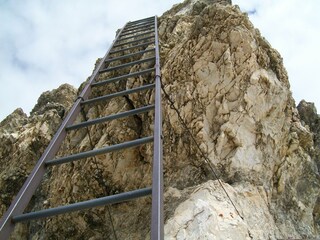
column 44, row 44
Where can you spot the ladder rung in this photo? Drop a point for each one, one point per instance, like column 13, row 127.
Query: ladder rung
column 141, row 20
column 139, row 24
column 140, row 28
column 111, row 117
column 132, row 47
column 137, row 35
column 117, row 198
column 127, row 64
column 99, row 151
column 134, row 41
column 134, row 32
column 129, row 55
column 118, row 94
column 115, row 79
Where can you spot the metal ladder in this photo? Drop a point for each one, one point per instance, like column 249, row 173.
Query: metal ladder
column 134, row 36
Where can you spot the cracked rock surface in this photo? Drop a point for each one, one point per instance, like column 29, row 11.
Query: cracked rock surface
column 232, row 93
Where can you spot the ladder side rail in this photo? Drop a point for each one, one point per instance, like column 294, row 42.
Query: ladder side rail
column 157, row 232
column 26, row 192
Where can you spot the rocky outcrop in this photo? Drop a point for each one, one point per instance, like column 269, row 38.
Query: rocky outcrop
column 208, row 213
column 236, row 98
column 23, row 139
column 59, row 99
column 310, row 119
column 232, row 94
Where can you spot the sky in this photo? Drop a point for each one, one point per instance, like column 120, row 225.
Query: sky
column 44, row 44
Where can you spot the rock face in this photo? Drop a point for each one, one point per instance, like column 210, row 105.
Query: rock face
column 23, row 139
column 232, row 93
column 310, row 118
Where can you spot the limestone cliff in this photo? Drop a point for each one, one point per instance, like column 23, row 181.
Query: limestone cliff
column 232, row 92
column 311, row 120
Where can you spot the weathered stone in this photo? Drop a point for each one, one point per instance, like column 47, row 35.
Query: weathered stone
column 209, row 214
column 23, row 139
column 232, row 92
column 58, row 99
column 311, row 119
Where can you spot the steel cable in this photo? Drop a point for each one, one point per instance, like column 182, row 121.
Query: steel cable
column 99, row 171
column 206, row 159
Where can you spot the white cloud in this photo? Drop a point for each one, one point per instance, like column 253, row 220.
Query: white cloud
column 46, row 43
column 292, row 27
